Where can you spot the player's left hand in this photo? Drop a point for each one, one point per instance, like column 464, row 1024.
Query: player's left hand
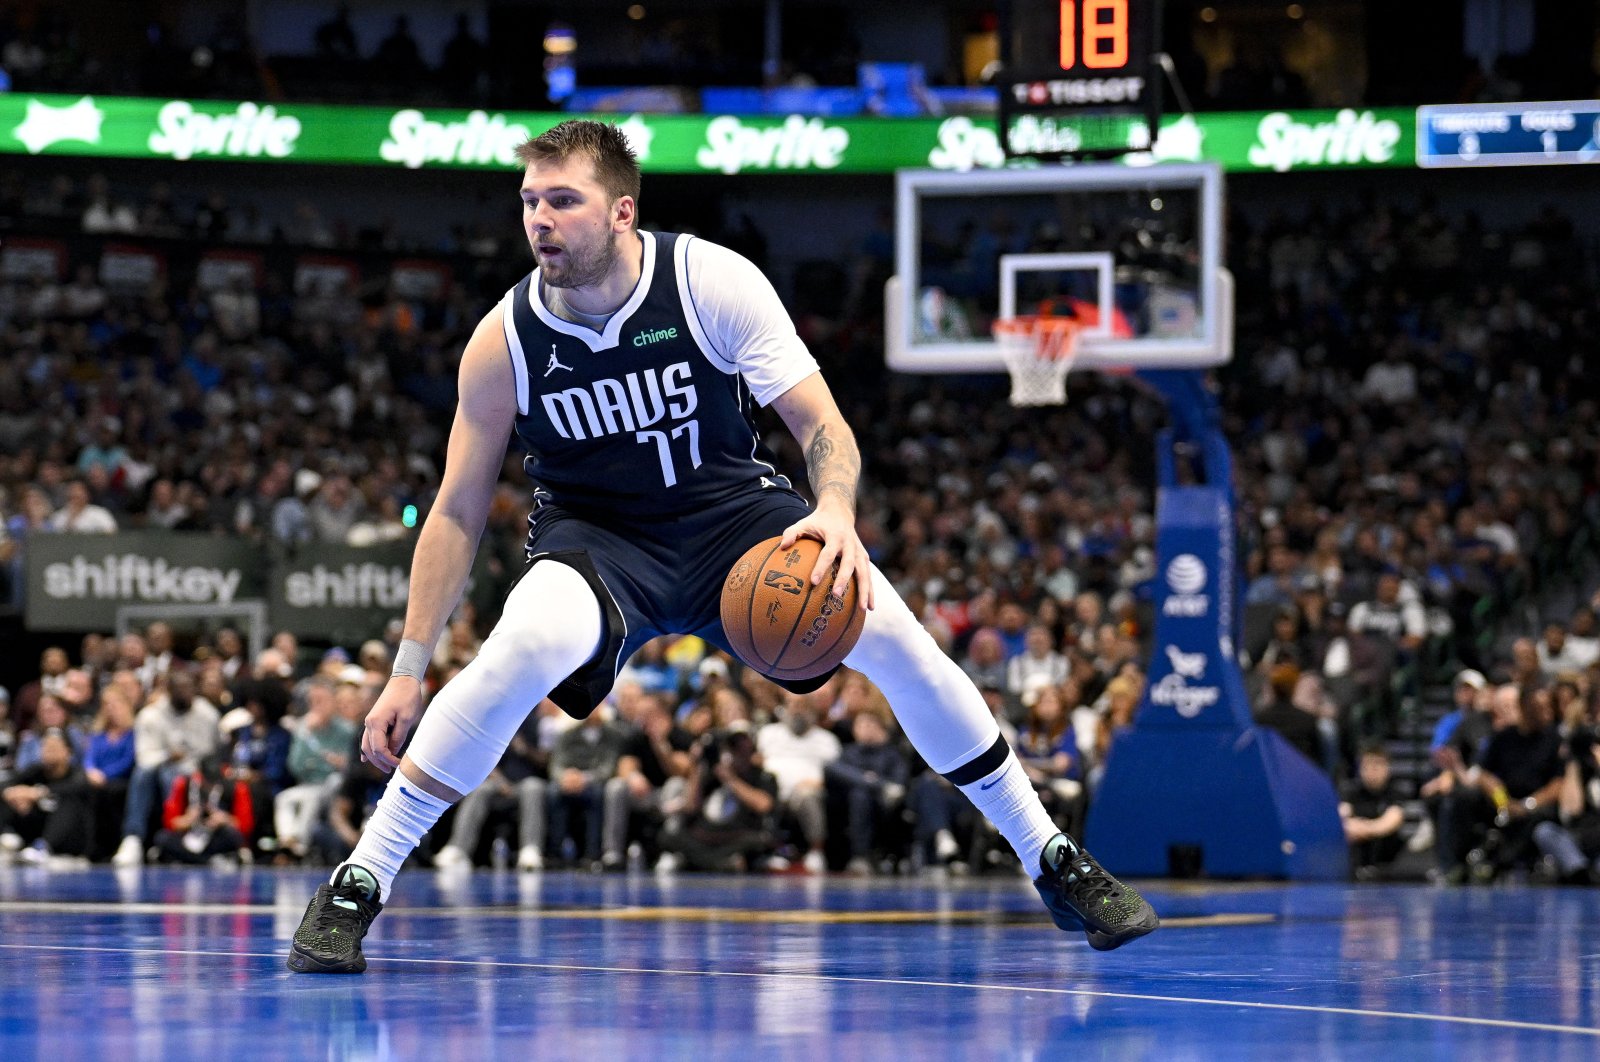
column 835, row 527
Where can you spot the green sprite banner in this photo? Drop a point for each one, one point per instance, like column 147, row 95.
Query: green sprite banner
column 182, row 130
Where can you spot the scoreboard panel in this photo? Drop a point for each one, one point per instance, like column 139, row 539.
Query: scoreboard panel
column 1076, row 58
column 1509, row 134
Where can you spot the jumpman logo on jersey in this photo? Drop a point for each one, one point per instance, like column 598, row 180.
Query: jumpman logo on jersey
column 555, row 362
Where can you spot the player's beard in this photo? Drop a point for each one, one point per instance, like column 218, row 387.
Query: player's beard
column 580, row 270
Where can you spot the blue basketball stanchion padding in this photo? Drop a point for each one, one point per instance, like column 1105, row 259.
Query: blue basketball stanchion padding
column 1194, row 781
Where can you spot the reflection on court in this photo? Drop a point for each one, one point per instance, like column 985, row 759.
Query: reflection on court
column 165, row 963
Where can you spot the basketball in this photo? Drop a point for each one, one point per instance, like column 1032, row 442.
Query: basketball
column 780, row 624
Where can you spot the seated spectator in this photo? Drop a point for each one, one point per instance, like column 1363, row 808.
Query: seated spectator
column 108, row 766
column 1285, row 644
column 730, row 806
column 1555, row 657
column 1391, row 615
column 1116, row 711
column 1278, row 583
column 652, row 774
column 516, row 787
column 1372, row 814
column 158, row 653
column 1038, row 662
column 80, row 515
column 583, row 761
column 1515, row 783
column 1583, row 644
column 172, row 735
column 47, row 806
column 1011, row 624
column 229, row 648
column 53, row 667
column 1469, row 725
column 796, row 750
column 207, row 817
column 870, row 774
column 1298, row 727
column 258, row 752
column 1048, row 750
column 1571, row 840
column 51, row 715
column 318, row 755
column 985, row 663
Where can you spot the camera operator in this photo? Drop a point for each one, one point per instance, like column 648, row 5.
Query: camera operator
column 729, row 807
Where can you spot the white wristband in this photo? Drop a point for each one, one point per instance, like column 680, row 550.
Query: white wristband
column 411, row 659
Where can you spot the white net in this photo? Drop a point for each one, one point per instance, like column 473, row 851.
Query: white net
column 1038, row 351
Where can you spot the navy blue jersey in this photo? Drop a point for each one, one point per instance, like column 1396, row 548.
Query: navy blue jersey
column 653, row 416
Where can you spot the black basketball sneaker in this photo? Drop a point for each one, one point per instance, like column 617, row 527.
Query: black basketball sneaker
column 338, row 916
column 1081, row 895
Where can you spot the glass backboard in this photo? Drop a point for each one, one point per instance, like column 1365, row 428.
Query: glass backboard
column 1135, row 254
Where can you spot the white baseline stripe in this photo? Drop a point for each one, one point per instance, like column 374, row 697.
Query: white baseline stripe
column 1303, row 1008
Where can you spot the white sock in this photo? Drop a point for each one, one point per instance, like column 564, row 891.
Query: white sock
column 1010, row 802
column 403, row 815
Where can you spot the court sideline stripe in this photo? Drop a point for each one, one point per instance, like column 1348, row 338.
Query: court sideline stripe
column 983, row 918
column 1305, row 1008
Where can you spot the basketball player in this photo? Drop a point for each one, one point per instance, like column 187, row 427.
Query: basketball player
column 628, row 363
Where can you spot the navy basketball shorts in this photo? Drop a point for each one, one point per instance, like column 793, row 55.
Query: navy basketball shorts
column 662, row 576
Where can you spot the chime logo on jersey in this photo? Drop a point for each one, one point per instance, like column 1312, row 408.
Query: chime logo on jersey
column 608, row 407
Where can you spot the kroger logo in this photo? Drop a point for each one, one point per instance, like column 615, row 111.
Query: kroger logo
column 1186, row 575
column 1188, row 701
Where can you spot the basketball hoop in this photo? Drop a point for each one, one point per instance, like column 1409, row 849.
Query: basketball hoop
column 1038, row 350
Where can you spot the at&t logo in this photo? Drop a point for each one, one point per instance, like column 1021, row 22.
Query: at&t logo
column 1186, row 577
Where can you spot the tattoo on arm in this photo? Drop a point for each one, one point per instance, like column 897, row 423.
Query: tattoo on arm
column 833, row 465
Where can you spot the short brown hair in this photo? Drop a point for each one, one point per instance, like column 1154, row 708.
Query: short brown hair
column 615, row 166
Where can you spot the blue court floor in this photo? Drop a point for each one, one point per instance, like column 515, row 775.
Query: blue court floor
column 165, row 964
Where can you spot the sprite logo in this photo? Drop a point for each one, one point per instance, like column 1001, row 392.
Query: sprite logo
column 482, row 139
column 964, row 144
column 798, row 144
column 45, row 124
column 1352, row 138
column 246, row 132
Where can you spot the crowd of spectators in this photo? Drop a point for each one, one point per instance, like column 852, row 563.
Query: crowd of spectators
column 199, row 755
column 1418, row 472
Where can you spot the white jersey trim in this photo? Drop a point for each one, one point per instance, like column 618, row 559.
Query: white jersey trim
column 680, row 254
column 519, row 361
column 738, row 320
column 611, row 337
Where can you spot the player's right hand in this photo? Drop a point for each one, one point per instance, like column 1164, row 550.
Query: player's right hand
column 390, row 722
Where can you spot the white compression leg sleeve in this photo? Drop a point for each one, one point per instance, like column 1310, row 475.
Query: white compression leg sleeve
column 550, row 628
column 946, row 718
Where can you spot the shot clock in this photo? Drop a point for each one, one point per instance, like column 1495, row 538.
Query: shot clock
column 1077, row 76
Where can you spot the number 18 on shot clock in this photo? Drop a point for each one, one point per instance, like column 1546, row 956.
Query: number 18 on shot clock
column 1077, row 75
